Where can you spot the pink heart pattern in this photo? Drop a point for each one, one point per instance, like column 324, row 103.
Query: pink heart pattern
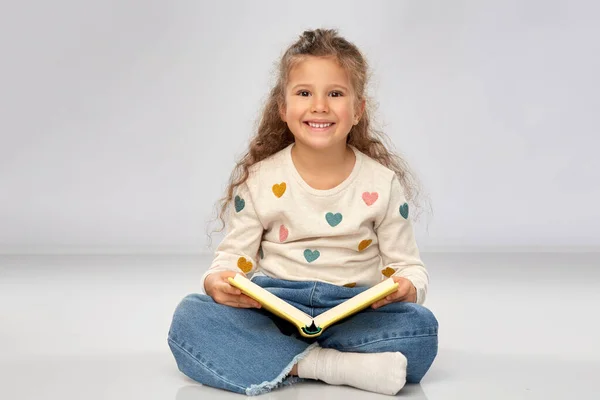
column 283, row 233
column 370, row 198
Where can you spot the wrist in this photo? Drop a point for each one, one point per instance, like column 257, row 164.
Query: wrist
column 208, row 283
column 413, row 293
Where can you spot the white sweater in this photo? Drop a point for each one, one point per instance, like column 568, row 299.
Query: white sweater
column 356, row 234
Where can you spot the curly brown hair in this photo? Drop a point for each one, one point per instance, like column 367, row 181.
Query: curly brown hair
column 273, row 134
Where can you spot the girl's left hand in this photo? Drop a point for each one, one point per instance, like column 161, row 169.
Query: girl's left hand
column 406, row 292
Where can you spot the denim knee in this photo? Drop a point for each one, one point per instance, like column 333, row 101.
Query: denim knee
column 187, row 313
column 409, row 328
column 184, row 338
column 421, row 345
column 423, row 318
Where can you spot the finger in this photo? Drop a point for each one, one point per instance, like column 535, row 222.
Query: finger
column 380, row 303
column 401, row 299
column 237, row 304
column 391, row 298
column 396, row 295
column 229, row 289
column 249, row 300
column 406, row 298
column 240, row 299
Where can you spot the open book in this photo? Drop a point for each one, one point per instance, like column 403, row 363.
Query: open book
column 308, row 326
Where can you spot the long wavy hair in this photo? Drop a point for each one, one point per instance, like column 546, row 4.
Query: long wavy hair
column 272, row 133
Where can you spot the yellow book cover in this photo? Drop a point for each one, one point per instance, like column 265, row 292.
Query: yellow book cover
column 308, row 326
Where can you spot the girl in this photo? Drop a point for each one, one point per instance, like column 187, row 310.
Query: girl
column 318, row 212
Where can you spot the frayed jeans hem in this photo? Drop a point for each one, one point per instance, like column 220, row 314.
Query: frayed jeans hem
column 281, row 380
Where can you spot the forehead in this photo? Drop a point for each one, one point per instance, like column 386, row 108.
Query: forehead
column 318, row 70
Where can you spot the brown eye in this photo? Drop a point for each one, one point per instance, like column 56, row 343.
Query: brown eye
column 337, row 94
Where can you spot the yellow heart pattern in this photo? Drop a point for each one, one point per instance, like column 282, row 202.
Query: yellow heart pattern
column 244, row 265
column 364, row 244
column 388, row 272
column 350, row 284
column 279, row 189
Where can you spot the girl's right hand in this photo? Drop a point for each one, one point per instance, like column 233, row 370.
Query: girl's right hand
column 218, row 287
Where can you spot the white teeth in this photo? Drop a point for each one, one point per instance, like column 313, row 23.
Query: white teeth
column 319, row 125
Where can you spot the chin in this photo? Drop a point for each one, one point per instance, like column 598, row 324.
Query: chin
column 319, row 144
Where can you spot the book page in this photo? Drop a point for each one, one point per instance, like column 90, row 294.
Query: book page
column 356, row 303
column 271, row 302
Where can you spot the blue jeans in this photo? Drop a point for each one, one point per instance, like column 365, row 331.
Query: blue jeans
column 251, row 351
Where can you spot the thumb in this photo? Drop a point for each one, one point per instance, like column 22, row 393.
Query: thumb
column 230, row 274
column 228, row 287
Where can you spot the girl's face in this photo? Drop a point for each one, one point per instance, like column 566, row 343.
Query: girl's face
column 319, row 92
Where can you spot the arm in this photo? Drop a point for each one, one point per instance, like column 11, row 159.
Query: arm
column 238, row 249
column 397, row 244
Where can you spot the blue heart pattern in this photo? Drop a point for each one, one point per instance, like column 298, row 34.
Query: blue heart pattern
column 333, row 219
column 311, row 255
column 404, row 210
column 239, row 204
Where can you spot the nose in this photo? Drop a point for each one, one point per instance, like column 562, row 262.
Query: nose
column 319, row 104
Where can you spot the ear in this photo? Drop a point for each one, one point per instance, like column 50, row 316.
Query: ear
column 360, row 109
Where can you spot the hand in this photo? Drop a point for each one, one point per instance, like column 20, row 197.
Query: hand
column 218, row 287
column 406, row 292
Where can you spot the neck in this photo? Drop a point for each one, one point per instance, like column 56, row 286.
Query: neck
column 315, row 161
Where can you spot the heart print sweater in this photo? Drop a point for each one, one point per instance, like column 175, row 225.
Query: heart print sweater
column 355, row 234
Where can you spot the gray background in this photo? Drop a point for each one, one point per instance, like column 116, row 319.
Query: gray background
column 120, row 120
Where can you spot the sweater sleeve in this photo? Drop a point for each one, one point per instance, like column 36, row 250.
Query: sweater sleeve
column 239, row 248
column 397, row 244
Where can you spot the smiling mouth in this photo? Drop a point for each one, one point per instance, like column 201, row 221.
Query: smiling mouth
column 319, row 126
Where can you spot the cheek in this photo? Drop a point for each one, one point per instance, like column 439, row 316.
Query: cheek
column 294, row 110
column 343, row 108
column 345, row 113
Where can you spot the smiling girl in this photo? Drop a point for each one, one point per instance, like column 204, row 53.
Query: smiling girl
column 317, row 211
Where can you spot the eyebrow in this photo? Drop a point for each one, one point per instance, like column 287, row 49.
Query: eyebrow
column 332, row 86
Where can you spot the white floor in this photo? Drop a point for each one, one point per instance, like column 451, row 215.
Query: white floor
column 512, row 326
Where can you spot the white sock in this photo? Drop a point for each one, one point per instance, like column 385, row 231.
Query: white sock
column 376, row 372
